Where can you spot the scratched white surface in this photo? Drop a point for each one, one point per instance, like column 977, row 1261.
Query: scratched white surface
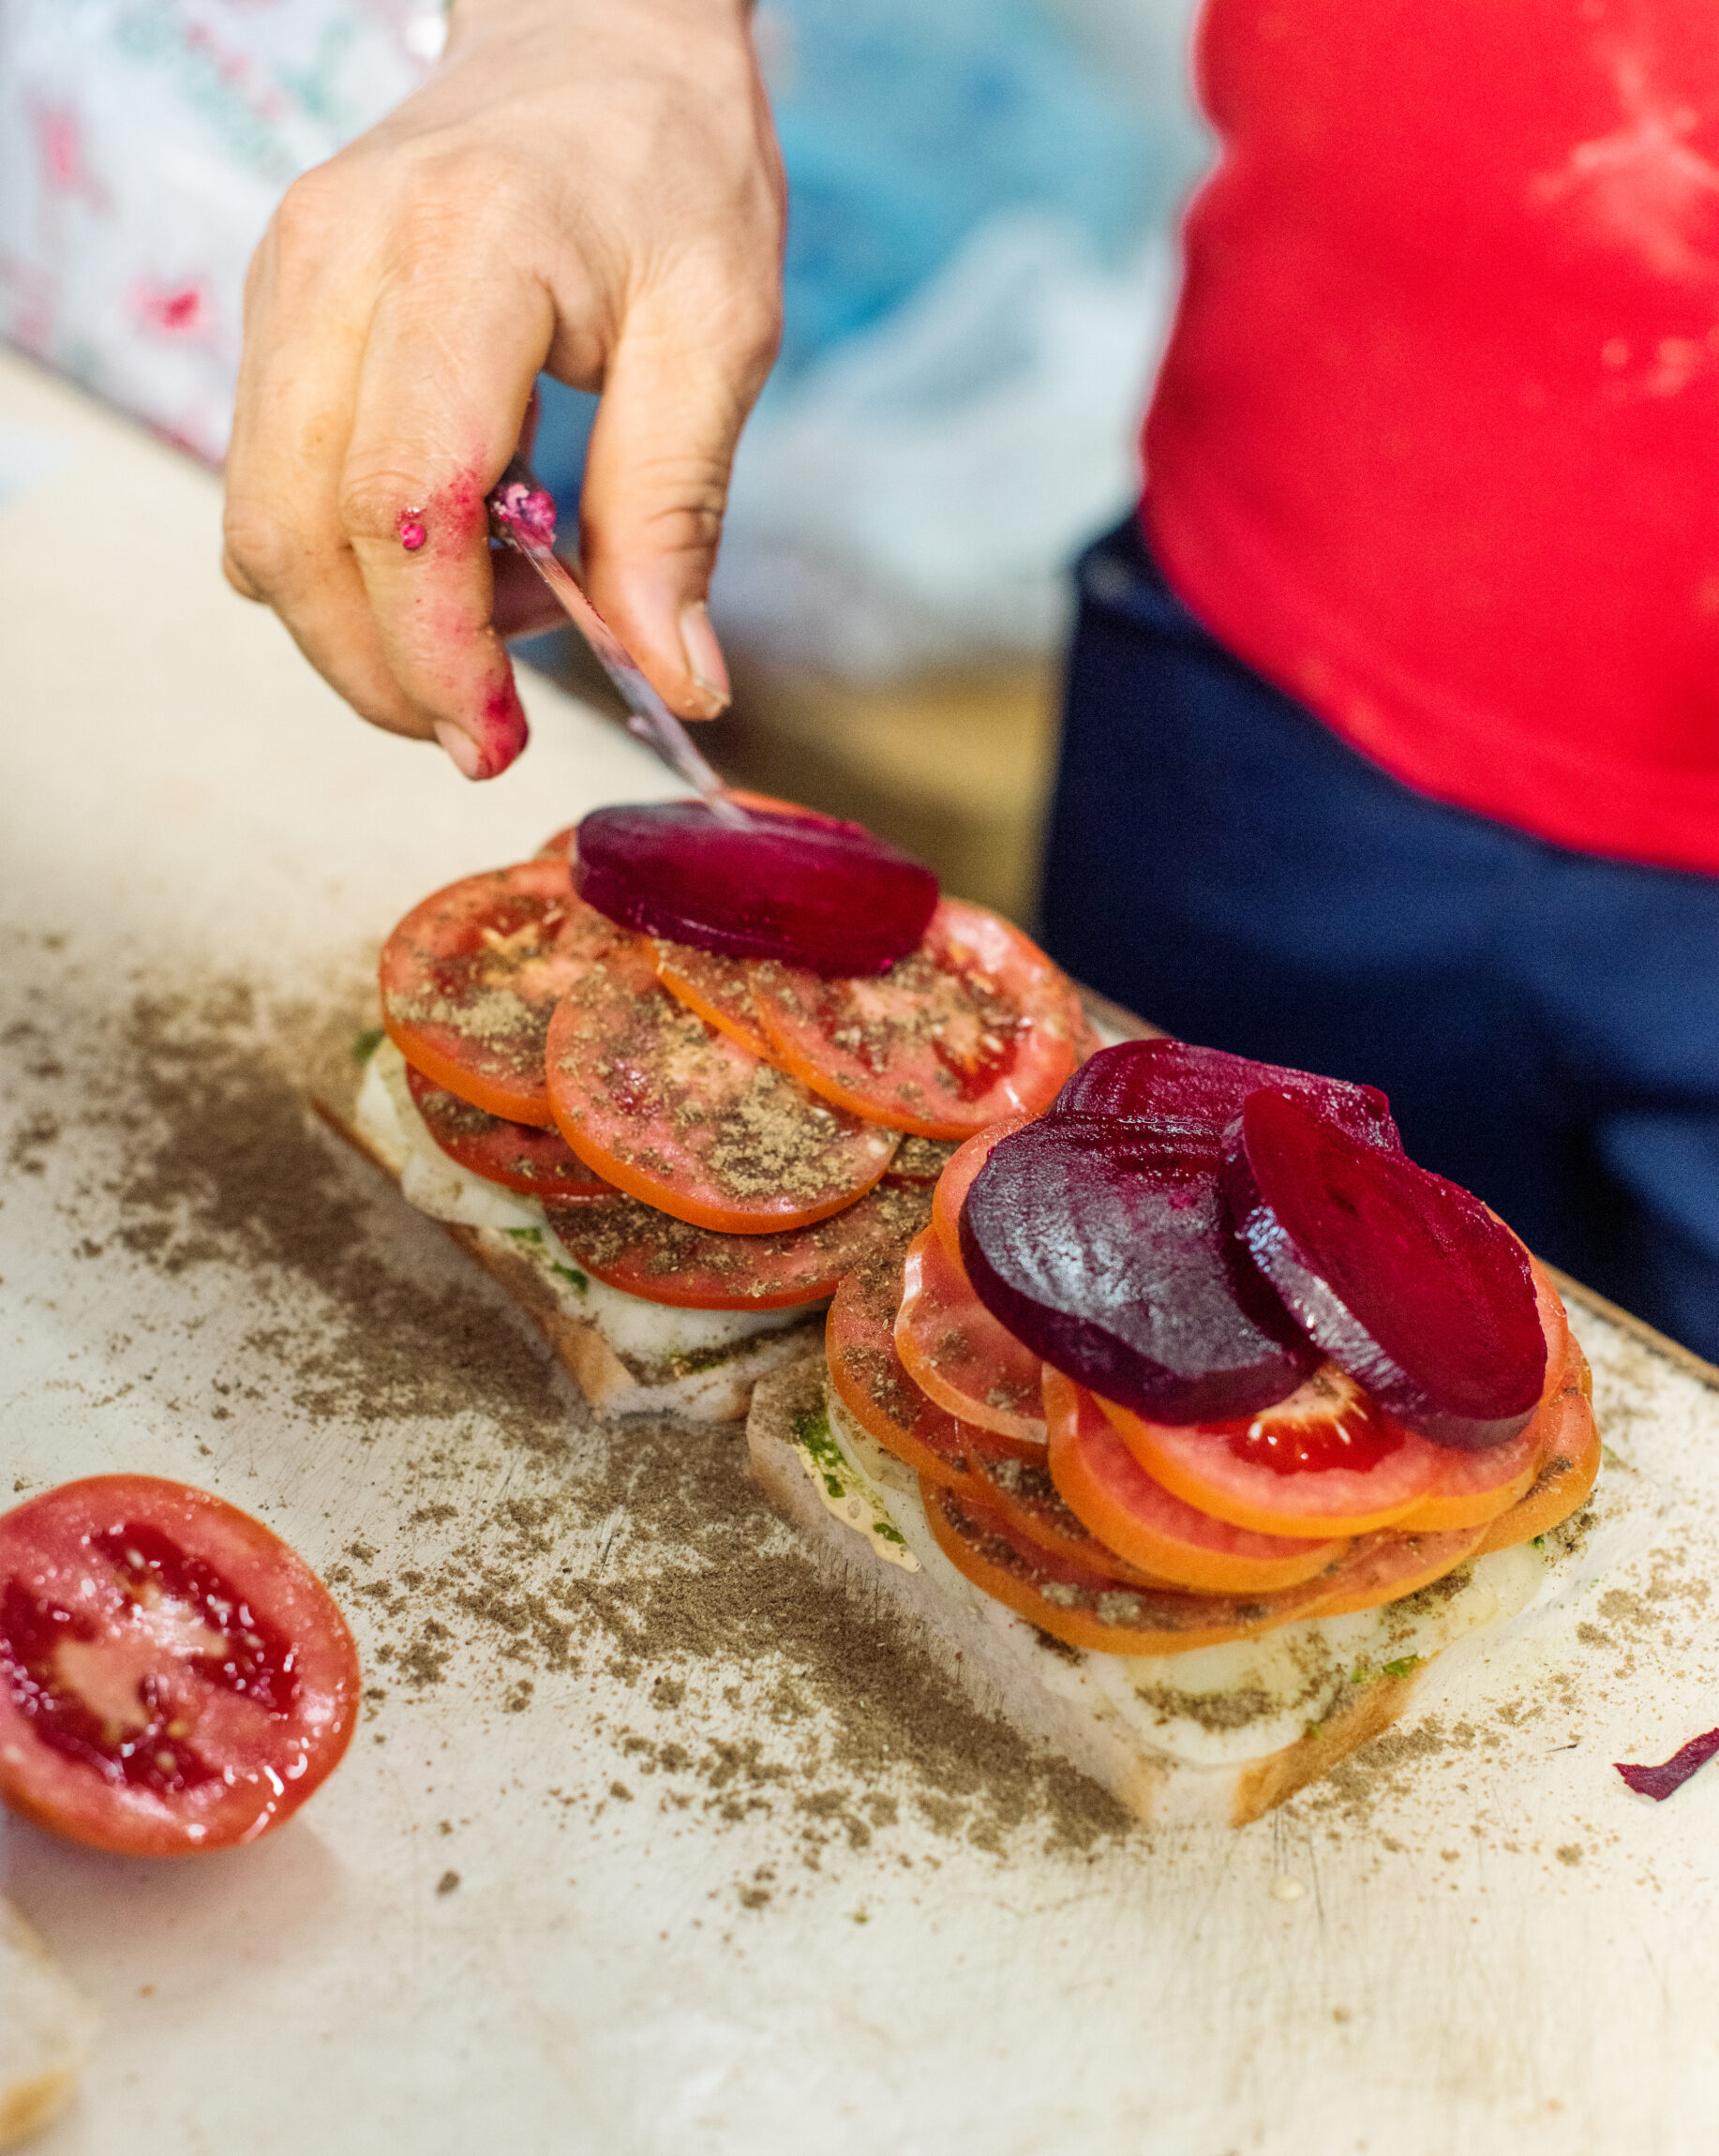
column 181, row 796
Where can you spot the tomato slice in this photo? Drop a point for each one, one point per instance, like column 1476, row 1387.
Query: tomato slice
column 1475, row 1486
column 471, row 977
column 871, row 1382
column 1382, row 1569
column 1103, row 1483
column 975, row 1025
column 1022, row 1492
column 680, row 1115
column 518, row 1156
column 173, row 1677
column 958, row 1353
column 651, row 1254
column 1566, row 1476
column 923, row 1160
column 715, row 987
column 1087, row 1608
column 1323, row 1463
column 957, row 1180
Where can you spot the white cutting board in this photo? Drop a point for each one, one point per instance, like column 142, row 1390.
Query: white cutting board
column 1498, row 1947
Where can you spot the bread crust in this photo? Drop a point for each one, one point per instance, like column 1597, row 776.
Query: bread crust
column 1159, row 1789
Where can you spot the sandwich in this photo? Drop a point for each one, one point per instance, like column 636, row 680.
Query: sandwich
column 1194, row 1428
column 670, row 1080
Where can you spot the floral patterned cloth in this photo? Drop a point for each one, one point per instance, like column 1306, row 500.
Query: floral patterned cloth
column 143, row 144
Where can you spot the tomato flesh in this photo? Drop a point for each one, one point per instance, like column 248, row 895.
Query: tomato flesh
column 1569, row 1466
column 1103, row 1483
column 1382, row 1569
column 923, row 1160
column 1090, row 1608
column 957, row 1180
column 716, row 988
column 1323, row 1463
column 172, row 1676
column 681, row 1116
column 469, row 980
column 651, row 1254
column 518, row 1156
column 975, row 1025
column 872, row 1382
column 956, row 1351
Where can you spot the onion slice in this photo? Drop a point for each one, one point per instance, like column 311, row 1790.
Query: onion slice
column 808, row 891
column 1109, row 1251
column 1404, row 1279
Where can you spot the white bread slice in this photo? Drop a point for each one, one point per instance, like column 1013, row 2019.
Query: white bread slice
column 627, row 1356
column 46, row 2028
column 1218, row 1736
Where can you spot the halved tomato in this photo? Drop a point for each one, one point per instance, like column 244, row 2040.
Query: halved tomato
column 957, row 1180
column 1567, row 1474
column 1475, row 1486
column 958, row 1353
column 173, row 1677
column 518, row 1156
column 651, row 1254
column 1103, row 1483
column 680, row 1115
column 714, row 987
column 471, row 977
column 872, row 1382
column 1326, row 1462
column 1382, row 1569
column 975, row 1025
column 1087, row 1608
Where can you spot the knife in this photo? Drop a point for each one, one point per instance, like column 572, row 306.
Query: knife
column 522, row 515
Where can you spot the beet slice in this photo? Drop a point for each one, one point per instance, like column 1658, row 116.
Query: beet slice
column 1187, row 1093
column 1404, row 1279
column 1109, row 1250
column 809, row 891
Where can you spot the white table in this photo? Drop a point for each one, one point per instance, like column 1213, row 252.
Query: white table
column 1499, row 1947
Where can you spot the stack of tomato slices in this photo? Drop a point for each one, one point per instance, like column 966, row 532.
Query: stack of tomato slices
column 1082, row 1476
column 707, row 1129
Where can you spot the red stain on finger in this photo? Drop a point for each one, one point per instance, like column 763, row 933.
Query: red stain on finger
column 504, row 731
column 412, row 533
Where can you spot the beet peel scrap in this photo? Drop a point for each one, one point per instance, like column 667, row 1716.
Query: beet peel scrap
column 1662, row 1782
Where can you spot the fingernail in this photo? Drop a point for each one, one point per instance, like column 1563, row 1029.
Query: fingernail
column 468, row 755
column 704, row 656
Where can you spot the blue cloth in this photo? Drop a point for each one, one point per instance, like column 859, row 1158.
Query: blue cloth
column 1546, row 1022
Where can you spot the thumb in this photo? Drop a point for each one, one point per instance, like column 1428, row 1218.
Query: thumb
column 656, row 484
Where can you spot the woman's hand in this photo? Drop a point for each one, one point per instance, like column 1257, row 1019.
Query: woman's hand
column 587, row 185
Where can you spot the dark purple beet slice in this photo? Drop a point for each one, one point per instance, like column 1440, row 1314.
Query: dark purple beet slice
column 1110, row 1252
column 1185, row 1091
column 1404, row 1279
column 808, row 891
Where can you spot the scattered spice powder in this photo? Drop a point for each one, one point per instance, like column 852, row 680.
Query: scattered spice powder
column 526, row 1546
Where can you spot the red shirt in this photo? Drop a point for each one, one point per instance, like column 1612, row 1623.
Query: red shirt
column 1436, row 442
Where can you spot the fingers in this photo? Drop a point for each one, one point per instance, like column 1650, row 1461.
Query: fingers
column 656, row 484
column 304, row 346
column 448, row 369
